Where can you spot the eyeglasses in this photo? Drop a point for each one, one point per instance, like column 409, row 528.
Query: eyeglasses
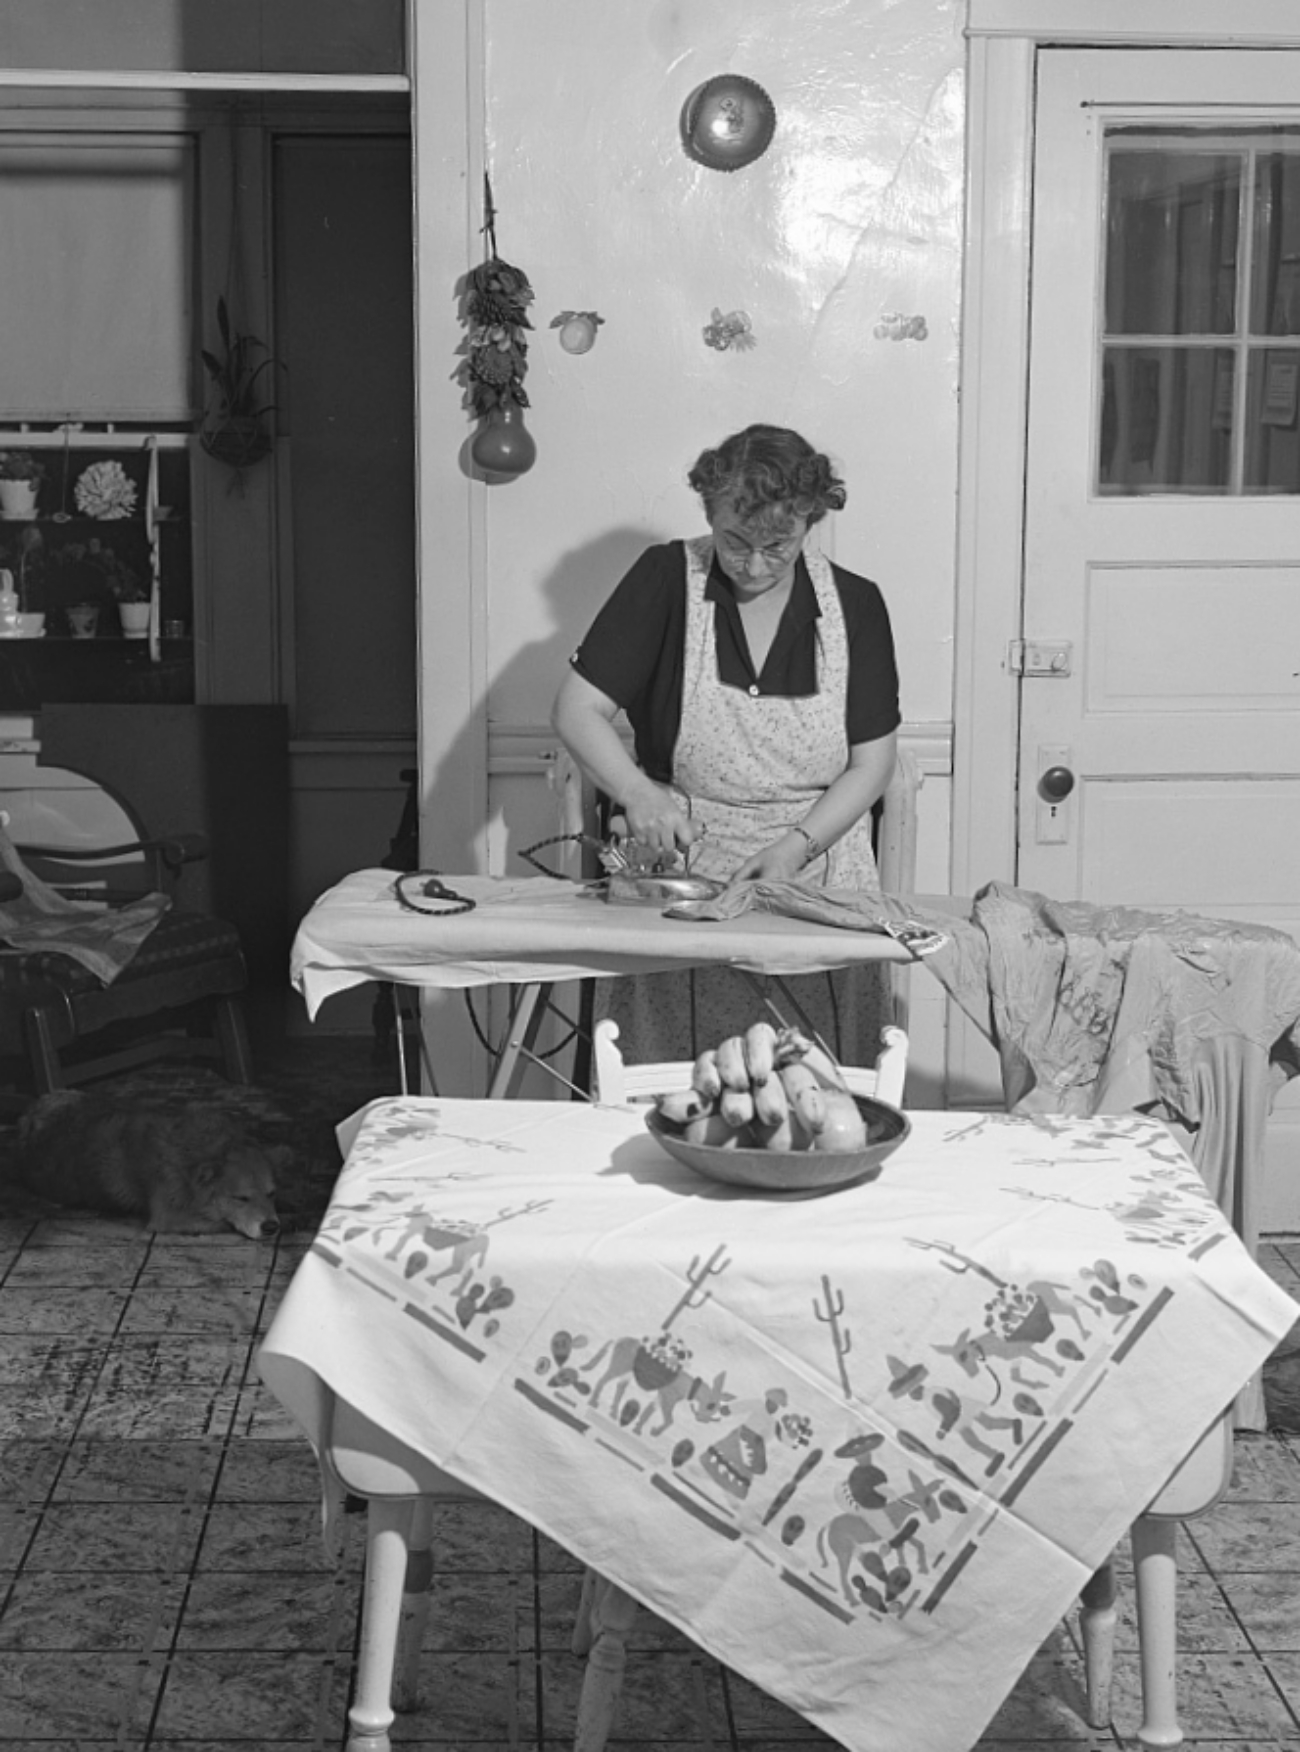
column 776, row 554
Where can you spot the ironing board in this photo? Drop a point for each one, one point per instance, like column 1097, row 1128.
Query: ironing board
column 532, row 933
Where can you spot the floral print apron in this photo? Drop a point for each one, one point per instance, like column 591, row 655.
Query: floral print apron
column 749, row 767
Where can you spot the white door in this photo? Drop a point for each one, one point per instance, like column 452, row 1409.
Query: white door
column 1160, row 706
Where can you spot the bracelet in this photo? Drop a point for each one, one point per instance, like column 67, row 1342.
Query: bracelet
column 815, row 847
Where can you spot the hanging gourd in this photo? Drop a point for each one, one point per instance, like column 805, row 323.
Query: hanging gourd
column 497, row 297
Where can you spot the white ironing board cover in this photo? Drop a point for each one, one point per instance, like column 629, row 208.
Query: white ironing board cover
column 865, row 1448
column 535, row 928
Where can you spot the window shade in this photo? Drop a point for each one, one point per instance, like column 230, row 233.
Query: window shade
column 96, row 253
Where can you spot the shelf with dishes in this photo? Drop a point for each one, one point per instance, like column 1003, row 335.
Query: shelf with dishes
column 98, row 555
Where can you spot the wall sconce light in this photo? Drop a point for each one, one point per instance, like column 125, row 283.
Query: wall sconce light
column 727, row 122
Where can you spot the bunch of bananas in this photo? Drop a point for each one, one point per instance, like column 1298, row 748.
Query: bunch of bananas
column 766, row 1089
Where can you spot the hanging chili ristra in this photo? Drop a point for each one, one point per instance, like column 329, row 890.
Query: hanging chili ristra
column 497, row 297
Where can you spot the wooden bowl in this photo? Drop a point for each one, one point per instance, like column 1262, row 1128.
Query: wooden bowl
column 790, row 1171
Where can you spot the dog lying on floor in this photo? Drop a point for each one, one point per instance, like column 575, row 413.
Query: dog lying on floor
column 191, row 1172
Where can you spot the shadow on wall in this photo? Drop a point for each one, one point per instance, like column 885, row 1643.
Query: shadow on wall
column 575, row 588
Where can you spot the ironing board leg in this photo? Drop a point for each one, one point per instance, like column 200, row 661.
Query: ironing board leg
column 612, row 1613
column 1156, row 1578
column 388, row 1525
column 416, row 1590
column 1097, row 1618
column 525, row 1021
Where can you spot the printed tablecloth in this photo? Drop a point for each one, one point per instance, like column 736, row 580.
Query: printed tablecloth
column 865, row 1447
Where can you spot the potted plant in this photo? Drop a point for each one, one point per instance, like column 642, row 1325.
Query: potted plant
column 126, row 587
column 234, row 428
column 20, row 478
column 93, row 570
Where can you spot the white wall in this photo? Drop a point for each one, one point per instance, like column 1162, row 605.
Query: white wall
column 852, row 216
column 852, row 219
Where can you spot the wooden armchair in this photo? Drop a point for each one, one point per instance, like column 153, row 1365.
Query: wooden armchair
column 178, row 995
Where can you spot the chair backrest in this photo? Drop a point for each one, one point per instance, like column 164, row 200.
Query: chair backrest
column 221, row 772
column 617, row 1084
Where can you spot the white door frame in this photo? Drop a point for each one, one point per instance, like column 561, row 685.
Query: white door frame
column 1004, row 38
column 445, row 62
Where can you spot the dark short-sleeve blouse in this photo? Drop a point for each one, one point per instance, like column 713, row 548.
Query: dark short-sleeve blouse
column 634, row 651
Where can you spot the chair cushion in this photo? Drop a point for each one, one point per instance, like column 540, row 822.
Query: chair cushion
column 177, row 941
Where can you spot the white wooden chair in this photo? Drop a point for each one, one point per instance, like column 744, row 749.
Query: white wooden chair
column 616, row 1084
column 402, row 1490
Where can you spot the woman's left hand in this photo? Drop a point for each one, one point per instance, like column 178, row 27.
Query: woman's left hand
column 780, row 862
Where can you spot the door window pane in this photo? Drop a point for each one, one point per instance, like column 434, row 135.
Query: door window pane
column 1201, row 293
column 1166, row 419
column 1171, row 222
column 1272, row 441
column 1275, row 303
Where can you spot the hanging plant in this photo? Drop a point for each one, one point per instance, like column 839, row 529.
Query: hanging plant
column 234, row 428
column 497, row 297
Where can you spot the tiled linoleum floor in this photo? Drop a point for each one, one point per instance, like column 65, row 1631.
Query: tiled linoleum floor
column 162, row 1582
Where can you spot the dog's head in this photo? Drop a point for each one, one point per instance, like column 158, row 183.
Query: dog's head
column 47, row 1110
column 239, row 1189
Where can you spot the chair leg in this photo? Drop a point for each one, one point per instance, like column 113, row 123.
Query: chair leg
column 1155, row 1565
column 232, row 1037
column 1097, row 1616
column 388, row 1525
column 582, row 1627
column 416, row 1590
column 47, row 1072
column 612, row 1614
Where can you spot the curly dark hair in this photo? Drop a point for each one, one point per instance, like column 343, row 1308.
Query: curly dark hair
column 765, row 471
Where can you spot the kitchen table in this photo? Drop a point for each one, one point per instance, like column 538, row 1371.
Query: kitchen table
column 865, row 1447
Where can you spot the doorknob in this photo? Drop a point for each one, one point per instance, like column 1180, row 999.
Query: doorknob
column 1055, row 785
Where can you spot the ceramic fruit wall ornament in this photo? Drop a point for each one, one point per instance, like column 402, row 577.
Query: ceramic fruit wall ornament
column 497, row 297
column 734, row 330
column 577, row 329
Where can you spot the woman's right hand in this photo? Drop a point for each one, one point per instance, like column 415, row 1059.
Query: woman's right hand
column 656, row 820
column 584, row 721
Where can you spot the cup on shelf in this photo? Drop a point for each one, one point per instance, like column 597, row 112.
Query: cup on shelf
column 31, row 626
column 83, row 619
